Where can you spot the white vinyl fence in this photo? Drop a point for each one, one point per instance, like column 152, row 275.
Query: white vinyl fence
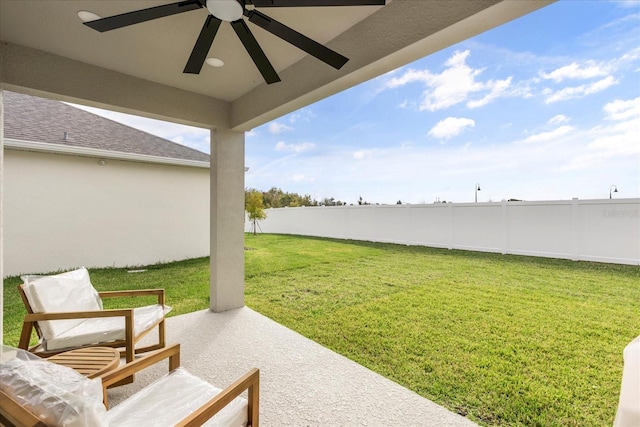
column 591, row 230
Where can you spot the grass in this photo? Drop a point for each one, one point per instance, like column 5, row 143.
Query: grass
column 503, row 340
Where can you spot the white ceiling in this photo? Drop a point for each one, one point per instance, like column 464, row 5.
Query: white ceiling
column 138, row 69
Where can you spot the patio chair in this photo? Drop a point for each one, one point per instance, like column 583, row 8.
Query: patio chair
column 36, row 392
column 66, row 312
column 628, row 414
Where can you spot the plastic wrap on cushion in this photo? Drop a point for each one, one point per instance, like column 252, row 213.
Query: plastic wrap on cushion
column 105, row 329
column 628, row 414
column 170, row 399
column 70, row 291
column 58, row 395
column 145, row 317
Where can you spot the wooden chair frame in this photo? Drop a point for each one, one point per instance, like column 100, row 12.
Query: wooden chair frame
column 15, row 414
column 31, row 320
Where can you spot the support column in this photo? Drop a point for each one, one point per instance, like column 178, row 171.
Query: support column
column 227, row 220
column 1, row 216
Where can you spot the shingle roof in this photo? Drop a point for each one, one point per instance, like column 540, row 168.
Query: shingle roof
column 30, row 118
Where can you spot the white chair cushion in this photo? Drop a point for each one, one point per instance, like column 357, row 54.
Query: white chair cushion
column 58, row 395
column 105, row 329
column 628, row 414
column 170, row 399
column 70, row 291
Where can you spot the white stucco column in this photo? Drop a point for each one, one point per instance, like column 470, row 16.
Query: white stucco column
column 1, row 216
column 227, row 220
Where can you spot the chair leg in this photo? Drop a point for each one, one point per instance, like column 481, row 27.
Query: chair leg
column 129, row 350
column 25, row 335
column 161, row 336
column 254, row 404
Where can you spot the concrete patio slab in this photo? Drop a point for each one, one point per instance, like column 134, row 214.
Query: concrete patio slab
column 301, row 382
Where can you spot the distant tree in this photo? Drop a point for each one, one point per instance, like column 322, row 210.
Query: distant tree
column 254, row 206
column 399, row 202
column 272, row 198
column 362, row 202
column 276, row 198
column 306, row 200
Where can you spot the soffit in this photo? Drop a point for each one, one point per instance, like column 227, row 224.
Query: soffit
column 158, row 50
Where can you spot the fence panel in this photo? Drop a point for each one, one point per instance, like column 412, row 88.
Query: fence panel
column 594, row 230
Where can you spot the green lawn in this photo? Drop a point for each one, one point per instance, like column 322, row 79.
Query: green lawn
column 504, row 340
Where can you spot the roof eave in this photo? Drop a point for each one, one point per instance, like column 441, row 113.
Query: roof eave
column 42, row 147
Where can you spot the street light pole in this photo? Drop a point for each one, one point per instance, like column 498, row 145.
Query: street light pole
column 614, row 188
column 477, row 189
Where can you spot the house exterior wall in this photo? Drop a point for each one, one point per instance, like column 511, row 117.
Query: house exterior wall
column 64, row 211
column 589, row 230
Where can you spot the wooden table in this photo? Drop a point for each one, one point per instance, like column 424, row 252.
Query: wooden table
column 90, row 362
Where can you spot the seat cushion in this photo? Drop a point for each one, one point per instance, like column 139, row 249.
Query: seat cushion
column 70, row 291
column 105, row 329
column 170, row 399
column 58, row 395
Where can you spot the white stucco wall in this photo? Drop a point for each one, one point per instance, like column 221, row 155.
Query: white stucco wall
column 589, row 230
column 65, row 211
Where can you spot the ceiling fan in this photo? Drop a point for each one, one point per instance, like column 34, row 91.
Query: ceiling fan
column 232, row 11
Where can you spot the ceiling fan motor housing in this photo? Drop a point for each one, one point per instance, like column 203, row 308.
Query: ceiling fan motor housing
column 226, row 10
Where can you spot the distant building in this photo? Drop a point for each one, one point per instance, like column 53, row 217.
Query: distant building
column 80, row 189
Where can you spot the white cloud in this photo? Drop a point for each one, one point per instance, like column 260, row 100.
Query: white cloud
column 301, row 178
column 451, row 126
column 627, row 3
column 588, row 70
column 359, row 155
column 623, row 110
column 579, row 91
column 497, row 88
column 303, row 115
column 366, row 154
column 632, row 55
column 276, row 127
column 618, row 140
column 295, row 148
column 560, row 118
column 252, row 132
column 453, row 86
column 550, row 135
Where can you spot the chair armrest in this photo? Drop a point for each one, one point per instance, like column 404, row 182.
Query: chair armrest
column 17, row 414
column 134, row 293
column 30, row 320
column 249, row 381
column 172, row 352
column 37, row 317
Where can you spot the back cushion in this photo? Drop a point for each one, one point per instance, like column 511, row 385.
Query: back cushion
column 70, row 291
column 56, row 394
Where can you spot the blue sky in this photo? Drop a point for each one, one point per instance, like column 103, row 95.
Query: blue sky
column 546, row 107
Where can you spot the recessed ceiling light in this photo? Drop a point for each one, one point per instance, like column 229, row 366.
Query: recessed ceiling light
column 215, row 62
column 87, row 16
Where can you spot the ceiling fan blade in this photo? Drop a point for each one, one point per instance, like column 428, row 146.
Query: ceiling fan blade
column 303, row 42
column 130, row 18
column 202, row 46
column 292, row 3
column 255, row 51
